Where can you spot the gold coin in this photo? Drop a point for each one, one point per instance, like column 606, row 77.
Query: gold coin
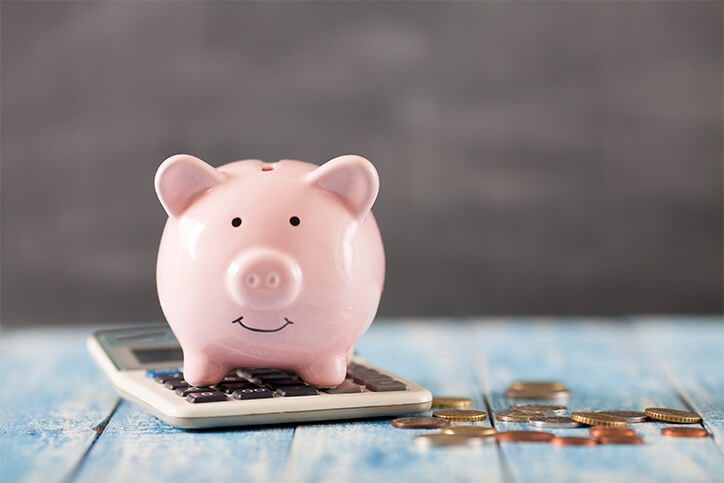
column 597, row 419
column 461, row 415
column 673, row 415
column 419, row 423
column 539, row 385
column 536, row 394
column 469, row 430
column 514, row 416
column 451, row 402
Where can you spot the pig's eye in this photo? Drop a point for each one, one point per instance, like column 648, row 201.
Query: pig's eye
column 294, row 220
column 236, row 222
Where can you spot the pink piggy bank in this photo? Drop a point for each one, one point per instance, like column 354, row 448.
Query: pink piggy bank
column 269, row 264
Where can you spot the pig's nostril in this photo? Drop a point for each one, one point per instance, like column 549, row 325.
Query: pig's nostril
column 272, row 280
column 252, row 280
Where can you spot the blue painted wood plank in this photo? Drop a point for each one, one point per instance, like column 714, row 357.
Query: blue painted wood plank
column 136, row 446
column 603, row 364
column 52, row 398
column 376, row 451
column 689, row 352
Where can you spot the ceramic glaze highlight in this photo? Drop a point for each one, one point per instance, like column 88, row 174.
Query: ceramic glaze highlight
column 269, row 264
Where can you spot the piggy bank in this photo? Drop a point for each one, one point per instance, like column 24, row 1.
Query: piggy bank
column 269, row 264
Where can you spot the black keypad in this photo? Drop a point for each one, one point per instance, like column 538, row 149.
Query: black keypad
column 163, row 378
column 173, row 385
column 289, row 381
column 292, row 391
column 231, row 387
column 185, row 391
column 391, row 385
column 347, row 387
column 253, row 392
column 203, row 397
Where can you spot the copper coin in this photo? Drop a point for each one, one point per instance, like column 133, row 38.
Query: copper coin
column 620, row 440
column 524, row 436
column 573, row 441
column 598, row 431
column 684, row 432
column 420, row 423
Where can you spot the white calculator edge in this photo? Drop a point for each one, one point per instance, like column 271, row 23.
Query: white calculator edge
column 137, row 387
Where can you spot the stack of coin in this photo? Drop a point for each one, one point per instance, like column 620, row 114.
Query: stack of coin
column 439, row 402
column 537, row 390
column 673, row 415
column 598, row 419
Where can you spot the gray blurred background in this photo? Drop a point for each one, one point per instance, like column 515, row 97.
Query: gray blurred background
column 535, row 158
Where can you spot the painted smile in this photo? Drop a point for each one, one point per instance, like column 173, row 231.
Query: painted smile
column 239, row 321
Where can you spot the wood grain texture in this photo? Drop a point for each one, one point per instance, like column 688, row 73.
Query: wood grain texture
column 52, row 399
column 606, row 364
column 689, row 353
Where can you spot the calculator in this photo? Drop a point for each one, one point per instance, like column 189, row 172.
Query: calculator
column 145, row 364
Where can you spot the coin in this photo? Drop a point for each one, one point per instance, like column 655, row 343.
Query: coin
column 536, row 394
column 598, row 431
column 524, row 436
column 451, row 402
column 628, row 416
column 573, row 441
column 543, row 409
column 684, row 432
column 673, row 415
column 553, row 422
column 620, row 440
column 461, row 415
column 597, row 419
column 420, row 423
column 470, row 430
column 513, row 416
column 440, row 439
column 539, row 385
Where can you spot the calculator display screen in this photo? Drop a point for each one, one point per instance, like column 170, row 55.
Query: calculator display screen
column 150, row 356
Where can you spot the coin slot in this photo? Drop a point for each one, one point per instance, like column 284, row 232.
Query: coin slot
column 267, row 167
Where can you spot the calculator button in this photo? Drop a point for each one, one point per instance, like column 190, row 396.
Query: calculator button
column 185, row 391
column 233, row 386
column 159, row 372
column 272, row 377
column 209, row 396
column 163, row 378
column 289, row 381
column 259, row 371
column 173, row 385
column 347, row 387
column 290, row 391
column 231, row 379
column 255, row 392
column 382, row 386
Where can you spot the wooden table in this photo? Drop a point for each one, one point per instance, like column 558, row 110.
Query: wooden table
column 61, row 420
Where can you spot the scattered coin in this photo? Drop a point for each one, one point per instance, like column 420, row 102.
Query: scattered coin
column 543, row 409
column 524, row 436
column 461, row 415
column 628, row 416
column 673, row 415
column 420, row 423
column 553, row 422
column 597, row 419
column 470, row 430
column 451, row 402
column 598, row 431
column 620, row 440
column 440, row 439
column 573, row 441
column 684, row 432
column 539, row 385
column 513, row 416
column 536, row 394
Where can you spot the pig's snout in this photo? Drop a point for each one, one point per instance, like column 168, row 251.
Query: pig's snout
column 262, row 278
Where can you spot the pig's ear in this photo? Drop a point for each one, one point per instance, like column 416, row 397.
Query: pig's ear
column 351, row 177
column 180, row 179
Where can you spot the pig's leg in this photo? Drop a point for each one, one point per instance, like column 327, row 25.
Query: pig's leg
column 325, row 373
column 200, row 371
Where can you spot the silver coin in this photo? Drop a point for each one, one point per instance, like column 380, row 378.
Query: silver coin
column 553, row 422
column 440, row 439
column 629, row 416
column 544, row 409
